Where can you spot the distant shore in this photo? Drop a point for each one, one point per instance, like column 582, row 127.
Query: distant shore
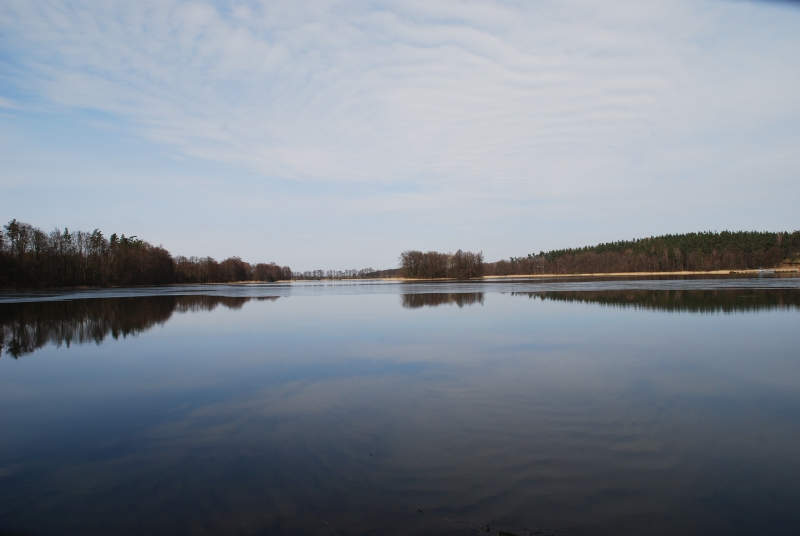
column 550, row 276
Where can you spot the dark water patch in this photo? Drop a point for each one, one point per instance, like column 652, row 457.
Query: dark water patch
column 416, row 301
column 29, row 326
column 684, row 301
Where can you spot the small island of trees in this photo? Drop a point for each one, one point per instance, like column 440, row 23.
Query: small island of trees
column 435, row 265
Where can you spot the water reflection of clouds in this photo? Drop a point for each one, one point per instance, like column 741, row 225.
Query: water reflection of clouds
column 365, row 453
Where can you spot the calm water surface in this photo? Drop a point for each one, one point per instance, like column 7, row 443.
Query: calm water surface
column 571, row 407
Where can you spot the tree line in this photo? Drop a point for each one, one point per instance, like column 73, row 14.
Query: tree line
column 706, row 251
column 32, row 258
column 435, row 265
column 364, row 273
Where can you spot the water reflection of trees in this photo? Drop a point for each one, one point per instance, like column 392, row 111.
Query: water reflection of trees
column 694, row 301
column 27, row 327
column 415, row 301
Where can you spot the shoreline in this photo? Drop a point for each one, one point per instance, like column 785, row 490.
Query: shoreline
column 630, row 274
column 770, row 271
column 775, row 271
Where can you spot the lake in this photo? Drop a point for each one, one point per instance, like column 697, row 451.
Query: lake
column 643, row 406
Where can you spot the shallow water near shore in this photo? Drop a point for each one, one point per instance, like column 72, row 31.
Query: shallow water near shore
column 567, row 407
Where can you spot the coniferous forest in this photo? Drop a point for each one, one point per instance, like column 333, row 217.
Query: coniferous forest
column 32, row 258
column 700, row 252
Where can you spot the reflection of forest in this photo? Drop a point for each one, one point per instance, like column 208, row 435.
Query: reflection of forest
column 27, row 327
column 694, row 301
column 415, row 301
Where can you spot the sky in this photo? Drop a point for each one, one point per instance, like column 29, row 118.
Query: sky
column 334, row 135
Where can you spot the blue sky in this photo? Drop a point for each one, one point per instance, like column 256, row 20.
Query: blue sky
column 337, row 134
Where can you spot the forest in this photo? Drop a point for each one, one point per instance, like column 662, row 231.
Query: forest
column 32, row 258
column 705, row 251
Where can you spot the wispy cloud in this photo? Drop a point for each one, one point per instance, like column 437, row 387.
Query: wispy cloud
column 474, row 100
